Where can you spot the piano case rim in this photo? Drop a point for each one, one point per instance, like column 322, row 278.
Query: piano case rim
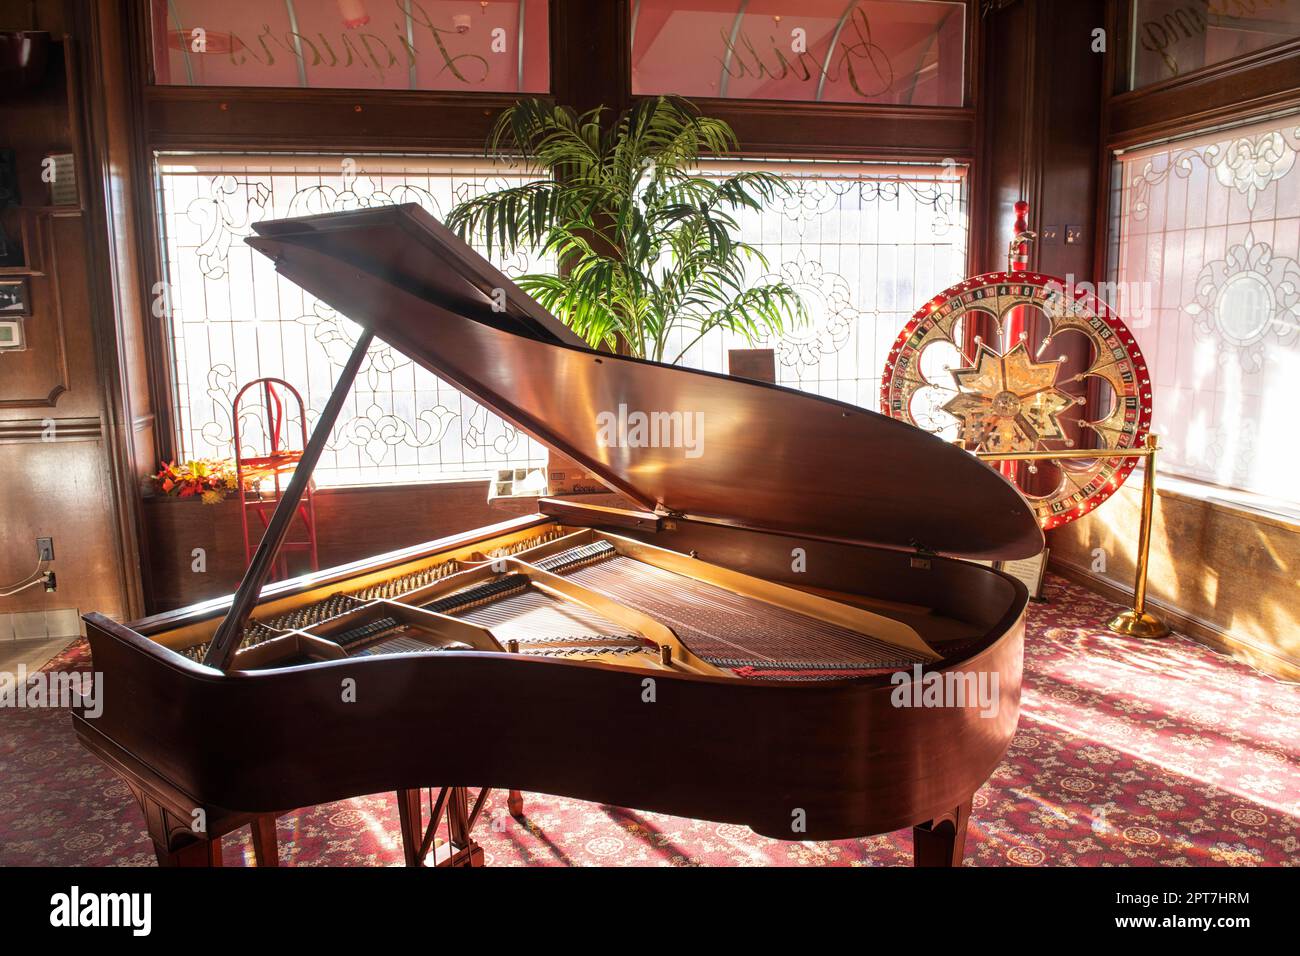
column 245, row 775
column 182, row 748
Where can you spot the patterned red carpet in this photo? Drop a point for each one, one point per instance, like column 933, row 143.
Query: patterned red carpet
column 1128, row 753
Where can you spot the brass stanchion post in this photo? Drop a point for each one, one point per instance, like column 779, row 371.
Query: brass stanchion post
column 1138, row 622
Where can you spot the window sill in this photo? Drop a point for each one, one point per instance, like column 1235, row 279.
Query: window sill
column 1260, row 508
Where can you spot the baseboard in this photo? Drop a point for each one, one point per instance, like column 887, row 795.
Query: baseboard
column 1202, row 631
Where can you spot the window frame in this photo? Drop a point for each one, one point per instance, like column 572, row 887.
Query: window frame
column 590, row 59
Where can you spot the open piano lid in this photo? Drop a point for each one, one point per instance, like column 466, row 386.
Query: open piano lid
column 768, row 457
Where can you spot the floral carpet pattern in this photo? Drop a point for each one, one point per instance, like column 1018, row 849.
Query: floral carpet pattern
column 1128, row 753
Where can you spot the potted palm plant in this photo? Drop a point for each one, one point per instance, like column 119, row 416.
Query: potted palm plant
column 645, row 242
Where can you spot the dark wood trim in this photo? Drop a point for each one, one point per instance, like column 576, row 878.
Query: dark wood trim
column 1035, row 89
column 92, row 124
column 1239, row 90
column 157, row 332
column 18, row 431
column 1118, row 17
column 977, row 181
column 1113, row 71
column 591, row 55
column 292, row 120
column 847, row 130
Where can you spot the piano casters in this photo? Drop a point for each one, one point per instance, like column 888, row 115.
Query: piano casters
column 176, row 844
column 941, row 841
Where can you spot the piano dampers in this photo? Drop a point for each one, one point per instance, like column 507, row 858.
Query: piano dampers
column 478, row 594
column 578, row 557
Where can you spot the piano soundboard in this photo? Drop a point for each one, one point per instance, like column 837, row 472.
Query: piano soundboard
column 588, row 595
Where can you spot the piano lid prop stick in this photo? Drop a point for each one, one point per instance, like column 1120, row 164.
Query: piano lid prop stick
column 221, row 651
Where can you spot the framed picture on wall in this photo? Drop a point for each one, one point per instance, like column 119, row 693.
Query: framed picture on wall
column 11, row 335
column 15, row 297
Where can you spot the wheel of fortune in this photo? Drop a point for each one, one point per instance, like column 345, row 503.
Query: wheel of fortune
column 1022, row 362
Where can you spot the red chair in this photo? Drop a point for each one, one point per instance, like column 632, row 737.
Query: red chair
column 261, row 476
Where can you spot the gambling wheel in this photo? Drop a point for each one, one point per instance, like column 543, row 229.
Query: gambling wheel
column 1019, row 362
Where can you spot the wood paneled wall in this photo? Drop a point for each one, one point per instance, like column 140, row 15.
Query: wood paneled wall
column 64, row 450
column 351, row 523
column 1220, row 573
column 1040, row 132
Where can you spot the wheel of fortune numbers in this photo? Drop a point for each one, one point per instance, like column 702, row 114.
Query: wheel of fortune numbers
column 1007, row 396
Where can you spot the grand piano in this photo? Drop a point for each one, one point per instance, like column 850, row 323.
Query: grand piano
column 735, row 638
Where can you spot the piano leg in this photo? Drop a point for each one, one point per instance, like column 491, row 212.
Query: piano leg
column 411, row 823
column 515, row 804
column 174, row 842
column 941, row 841
column 464, row 851
column 265, row 843
column 460, row 848
column 196, row 853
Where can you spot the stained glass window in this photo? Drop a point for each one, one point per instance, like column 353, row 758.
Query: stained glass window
column 864, row 244
column 1205, row 257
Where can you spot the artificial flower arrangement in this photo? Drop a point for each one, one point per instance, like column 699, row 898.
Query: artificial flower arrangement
column 209, row 478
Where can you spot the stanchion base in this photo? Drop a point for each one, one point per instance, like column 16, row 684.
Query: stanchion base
column 1138, row 624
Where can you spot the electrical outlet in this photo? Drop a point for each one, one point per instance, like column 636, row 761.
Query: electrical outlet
column 45, row 549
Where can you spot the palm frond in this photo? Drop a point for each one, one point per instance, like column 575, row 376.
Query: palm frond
column 645, row 243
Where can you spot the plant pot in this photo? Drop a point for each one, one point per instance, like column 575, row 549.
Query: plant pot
column 23, row 56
